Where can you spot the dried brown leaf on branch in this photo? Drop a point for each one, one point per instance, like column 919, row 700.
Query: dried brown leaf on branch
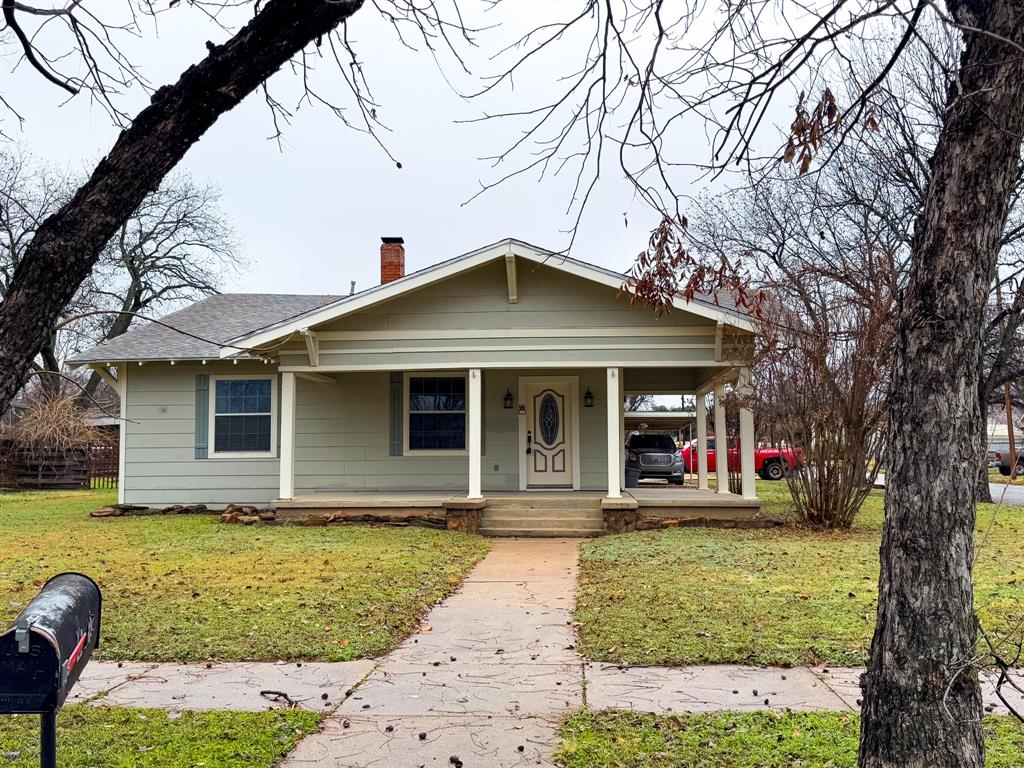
column 667, row 270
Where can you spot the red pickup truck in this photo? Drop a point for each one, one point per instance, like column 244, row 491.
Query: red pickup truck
column 769, row 463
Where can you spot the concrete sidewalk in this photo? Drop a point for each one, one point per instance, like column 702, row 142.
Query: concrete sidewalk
column 323, row 687
column 1002, row 493
column 238, row 686
column 744, row 689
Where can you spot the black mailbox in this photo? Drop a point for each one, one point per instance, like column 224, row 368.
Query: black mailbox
column 44, row 652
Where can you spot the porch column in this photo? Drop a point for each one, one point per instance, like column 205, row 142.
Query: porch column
column 474, row 432
column 702, row 443
column 622, row 436
column 721, row 441
column 287, row 457
column 615, row 448
column 749, row 482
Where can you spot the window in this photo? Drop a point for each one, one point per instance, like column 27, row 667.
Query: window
column 436, row 413
column 649, row 441
column 242, row 416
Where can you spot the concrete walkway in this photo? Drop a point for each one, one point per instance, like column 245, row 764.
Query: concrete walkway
column 486, row 680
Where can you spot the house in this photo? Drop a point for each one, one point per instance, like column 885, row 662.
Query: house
column 499, row 371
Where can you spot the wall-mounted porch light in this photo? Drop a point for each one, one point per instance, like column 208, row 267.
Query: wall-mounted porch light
column 588, row 399
column 508, row 399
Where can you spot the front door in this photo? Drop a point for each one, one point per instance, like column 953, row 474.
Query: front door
column 549, row 433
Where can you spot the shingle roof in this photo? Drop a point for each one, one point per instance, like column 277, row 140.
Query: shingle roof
column 213, row 320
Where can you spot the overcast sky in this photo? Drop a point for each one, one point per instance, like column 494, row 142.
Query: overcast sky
column 309, row 216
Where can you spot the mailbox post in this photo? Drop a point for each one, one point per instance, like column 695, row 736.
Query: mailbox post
column 44, row 652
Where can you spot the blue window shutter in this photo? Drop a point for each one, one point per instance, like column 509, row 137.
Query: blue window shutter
column 483, row 413
column 395, row 414
column 202, row 415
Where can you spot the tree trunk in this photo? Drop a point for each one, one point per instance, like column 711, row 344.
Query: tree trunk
column 922, row 705
column 67, row 244
column 983, row 492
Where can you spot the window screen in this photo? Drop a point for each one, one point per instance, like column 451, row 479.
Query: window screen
column 243, row 413
column 437, row 413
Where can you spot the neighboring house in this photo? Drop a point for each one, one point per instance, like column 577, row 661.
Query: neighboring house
column 500, row 370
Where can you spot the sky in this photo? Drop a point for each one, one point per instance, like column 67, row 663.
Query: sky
column 309, row 214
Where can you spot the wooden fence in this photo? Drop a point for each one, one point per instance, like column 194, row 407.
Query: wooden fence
column 103, row 465
column 94, row 467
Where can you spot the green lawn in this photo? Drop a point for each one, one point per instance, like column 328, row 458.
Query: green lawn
column 777, row 596
column 186, row 588
column 733, row 740
column 89, row 737
column 994, row 476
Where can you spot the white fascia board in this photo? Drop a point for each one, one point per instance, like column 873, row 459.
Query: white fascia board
column 616, row 281
column 444, row 270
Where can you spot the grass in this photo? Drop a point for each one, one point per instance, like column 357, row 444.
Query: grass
column 733, row 740
column 783, row 596
column 186, row 588
column 995, row 477
column 89, row 737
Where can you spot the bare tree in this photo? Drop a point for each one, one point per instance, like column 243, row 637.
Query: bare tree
column 638, row 402
column 177, row 246
column 826, row 340
column 29, row 192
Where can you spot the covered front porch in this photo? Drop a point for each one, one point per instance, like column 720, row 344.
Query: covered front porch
column 473, row 442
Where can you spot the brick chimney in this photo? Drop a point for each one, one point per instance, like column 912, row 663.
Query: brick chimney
column 392, row 259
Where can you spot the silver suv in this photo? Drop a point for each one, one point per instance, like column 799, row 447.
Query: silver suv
column 655, row 456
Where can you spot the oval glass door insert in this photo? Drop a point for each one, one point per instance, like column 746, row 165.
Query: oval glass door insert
column 549, row 419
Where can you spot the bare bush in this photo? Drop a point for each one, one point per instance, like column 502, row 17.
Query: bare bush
column 51, row 421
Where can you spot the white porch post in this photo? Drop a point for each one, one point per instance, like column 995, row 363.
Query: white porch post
column 721, row 441
column 615, row 448
column 702, row 443
column 622, row 435
column 474, row 430
column 287, row 458
column 749, row 482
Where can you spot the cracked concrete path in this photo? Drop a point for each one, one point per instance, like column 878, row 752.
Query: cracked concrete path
column 743, row 689
column 316, row 686
column 486, row 680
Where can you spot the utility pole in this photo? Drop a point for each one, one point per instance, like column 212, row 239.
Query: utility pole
column 1008, row 402
column 1009, row 433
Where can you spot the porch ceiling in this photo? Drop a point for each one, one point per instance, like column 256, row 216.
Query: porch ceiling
column 680, row 380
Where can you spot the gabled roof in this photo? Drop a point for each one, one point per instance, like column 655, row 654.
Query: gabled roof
column 704, row 307
column 226, row 324
column 198, row 331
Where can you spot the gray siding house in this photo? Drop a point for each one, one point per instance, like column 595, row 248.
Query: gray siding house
column 501, row 370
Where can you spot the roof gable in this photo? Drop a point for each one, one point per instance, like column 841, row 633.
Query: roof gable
column 461, row 264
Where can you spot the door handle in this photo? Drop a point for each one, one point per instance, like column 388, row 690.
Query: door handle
column 529, row 442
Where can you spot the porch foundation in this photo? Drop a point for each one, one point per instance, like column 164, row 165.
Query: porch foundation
column 569, row 513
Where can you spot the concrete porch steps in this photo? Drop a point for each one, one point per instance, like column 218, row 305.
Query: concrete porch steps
column 557, row 517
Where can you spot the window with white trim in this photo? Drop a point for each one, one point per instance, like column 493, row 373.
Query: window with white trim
column 435, row 407
column 242, row 422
